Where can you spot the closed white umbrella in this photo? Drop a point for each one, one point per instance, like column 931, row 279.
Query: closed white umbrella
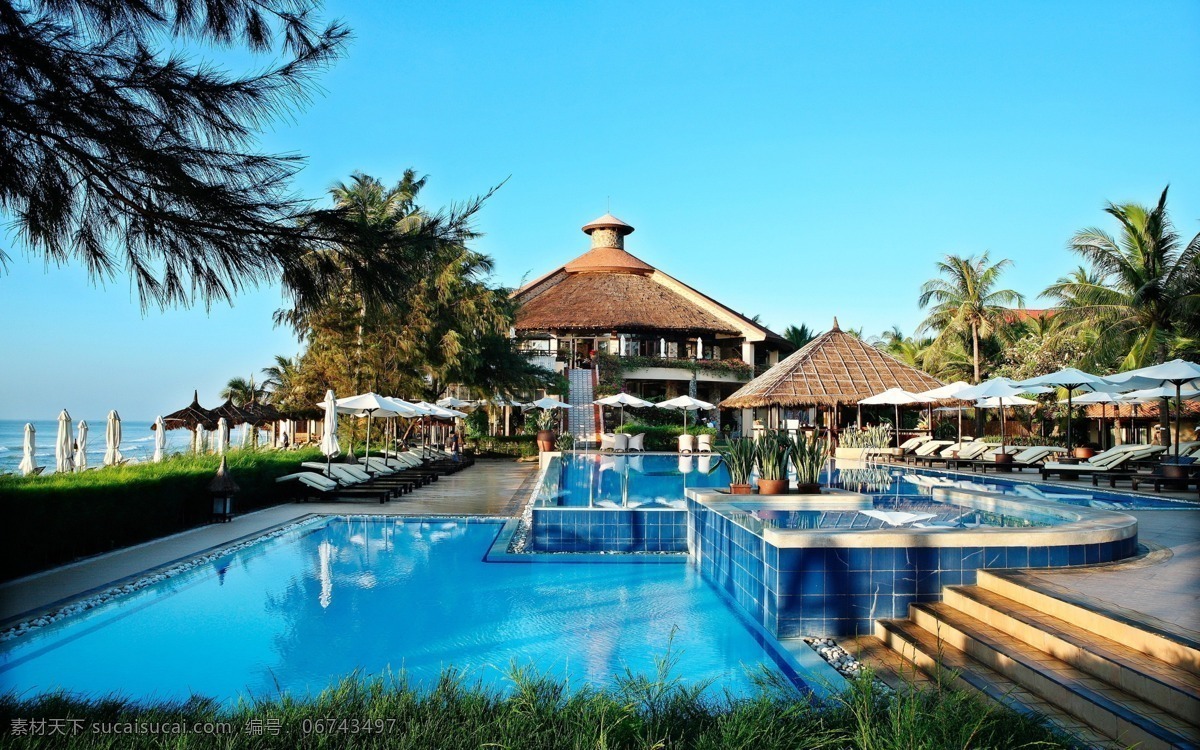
column 64, row 453
column 896, row 397
column 81, row 446
column 160, row 439
column 222, row 436
column 1177, row 372
column 1071, row 379
column 329, row 439
column 27, row 466
column 198, row 439
column 685, row 404
column 112, row 440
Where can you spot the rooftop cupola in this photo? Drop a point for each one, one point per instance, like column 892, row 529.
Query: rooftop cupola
column 608, row 231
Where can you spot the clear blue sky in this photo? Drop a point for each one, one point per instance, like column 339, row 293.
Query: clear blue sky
column 798, row 163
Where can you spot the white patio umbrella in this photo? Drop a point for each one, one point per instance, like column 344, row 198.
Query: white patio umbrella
column 64, row 453
column 622, row 400
column 222, row 436
column 1072, row 380
column 369, row 405
column 112, row 440
column 27, row 466
column 896, row 397
column 1104, row 398
column 549, row 402
column 160, row 439
column 329, row 439
column 685, row 404
column 948, row 392
column 995, row 402
column 1177, row 372
column 81, row 446
column 1001, row 389
column 451, row 402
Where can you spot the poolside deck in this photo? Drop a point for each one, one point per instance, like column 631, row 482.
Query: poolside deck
column 489, row 488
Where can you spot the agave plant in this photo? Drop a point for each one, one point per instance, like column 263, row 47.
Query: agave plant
column 739, row 456
column 809, row 454
column 773, row 450
column 545, row 420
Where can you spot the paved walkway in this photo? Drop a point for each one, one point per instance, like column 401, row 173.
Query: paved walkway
column 489, row 488
column 1164, row 585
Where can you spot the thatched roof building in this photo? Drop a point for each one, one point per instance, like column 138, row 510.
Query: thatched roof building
column 607, row 290
column 833, row 369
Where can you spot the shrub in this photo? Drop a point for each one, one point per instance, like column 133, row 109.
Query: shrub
column 663, row 437
column 53, row 519
column 517, row 446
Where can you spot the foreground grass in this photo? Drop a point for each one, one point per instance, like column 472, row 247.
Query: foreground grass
column 56, row 518
column 542, row 713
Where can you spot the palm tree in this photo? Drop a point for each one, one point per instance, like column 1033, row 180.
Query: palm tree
column 1141, row 295
column 281, row 379
column 966, row 301
column 799, row 336
column 242, row 391
column 907, row 349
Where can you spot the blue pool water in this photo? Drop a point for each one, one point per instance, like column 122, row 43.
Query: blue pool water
column 632, row 480
column 295, row 612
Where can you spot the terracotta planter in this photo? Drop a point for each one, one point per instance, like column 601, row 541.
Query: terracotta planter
column 1083, row 453
column 809, row 488
column 739, row 489
column 545, row 440
column 772, row 486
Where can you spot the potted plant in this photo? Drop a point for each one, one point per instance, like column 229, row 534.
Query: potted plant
column 1084, row 451
column 772, row 451
column 739, row 457
column 545, row 434
column 809, row 454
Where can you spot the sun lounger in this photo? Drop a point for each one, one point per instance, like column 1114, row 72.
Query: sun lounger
column 928, row 448
column 1031, row 457
column 351, row 476
column 908, row 446
column 1109, row 462
column 319, row 485
column 380, row 467
column 954, row 452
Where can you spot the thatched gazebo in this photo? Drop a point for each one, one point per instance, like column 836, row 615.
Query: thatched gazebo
column 234, row 415
column 832, row 371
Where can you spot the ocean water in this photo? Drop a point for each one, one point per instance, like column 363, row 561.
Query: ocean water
column 137, row 440
column 378, row 594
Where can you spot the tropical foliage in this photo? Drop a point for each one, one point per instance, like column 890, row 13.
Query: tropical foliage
column 800, row 335
column 1138, row 301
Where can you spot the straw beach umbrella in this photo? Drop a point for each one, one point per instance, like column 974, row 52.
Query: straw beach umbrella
column 64, row 453
column 112, row 440
column 29, row 447
column 160, row 439
column 81, row 446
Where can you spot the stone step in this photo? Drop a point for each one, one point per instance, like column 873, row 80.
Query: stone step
column 938, row 660
column 1150, row 679
column 1156, row 640
column 1109, row 710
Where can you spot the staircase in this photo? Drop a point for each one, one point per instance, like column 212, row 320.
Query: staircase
column 1108, row 680
column 581, row 418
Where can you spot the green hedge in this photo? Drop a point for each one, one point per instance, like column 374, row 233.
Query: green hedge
column 663, row 438
column 51, row 520
column 520, row 446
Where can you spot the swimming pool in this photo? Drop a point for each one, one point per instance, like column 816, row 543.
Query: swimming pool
column 371, row 593
column 652, row 480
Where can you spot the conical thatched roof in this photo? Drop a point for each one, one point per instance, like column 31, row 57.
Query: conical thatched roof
column 261, row 413
column 191, row 415
column 833, row 368
column 234, row 415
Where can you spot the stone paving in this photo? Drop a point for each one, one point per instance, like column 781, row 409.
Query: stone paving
column 489, row 488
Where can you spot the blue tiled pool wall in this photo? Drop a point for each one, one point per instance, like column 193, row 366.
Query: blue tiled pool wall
column 609, row 530
column 841, row 592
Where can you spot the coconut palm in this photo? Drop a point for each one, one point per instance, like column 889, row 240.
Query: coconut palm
column 242, row 391
column 800, row 335
column 907, row 349
column 1141, row 295
column 282, row 379
column 966, row 301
